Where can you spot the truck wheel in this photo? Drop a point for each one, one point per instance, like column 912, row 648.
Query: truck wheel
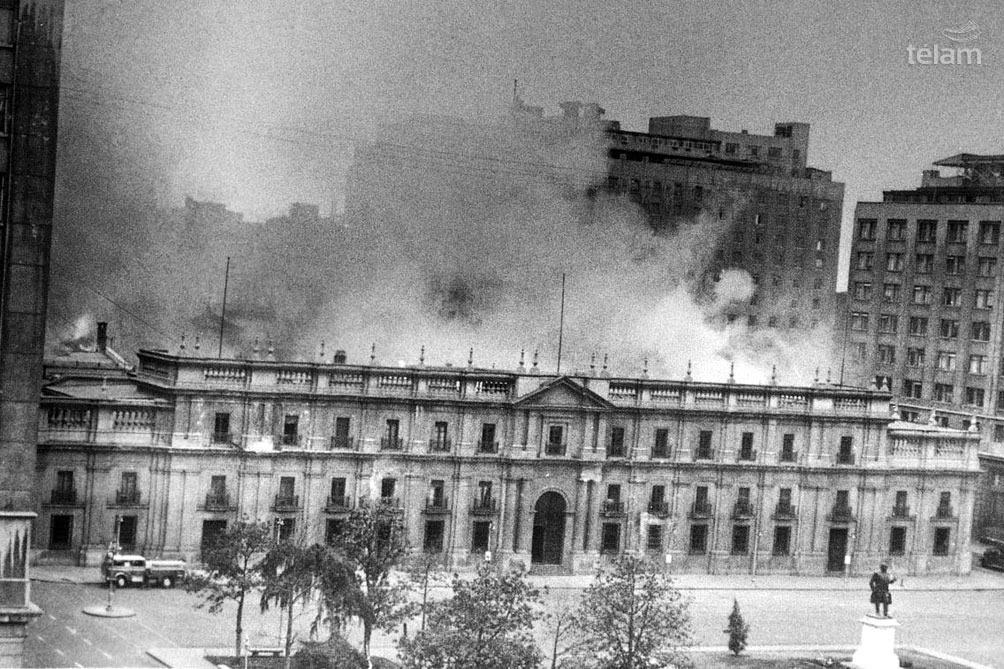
column 121, row 581
column 167, row 582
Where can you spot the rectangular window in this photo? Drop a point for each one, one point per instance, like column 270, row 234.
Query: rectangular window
column 433, row 541
column 951, row 297
column 290, row 427
column 890, row 292
column 924, row 263
column 859, row 321
column 955, row 265
column 387, row 486
column 984, row 299
column 942, row 536
column 888, row 323
column 987, row 267
column 862, row 290
column 949, row 329
column 487, row 444
column 894, row 262
column 958, row 231
column 555, row 437
column 342, row 438
column 440, row 436
column 864, row 261
column 782, row 540
column 975, row 396
column 866, row 229
column 897, row 541
column 614, row 493
column 746, row 447
column 285, row 528
column 887, row 354
column 845, row 455
column 918, row 326
column 740, row 539
column 921, row 294
column 927, row 231
column 912, row 388
column 980, row 330
column 978, row 364
column 221, row 428
column 218, row 485
column 437, row 494
column 990, row 232
column 658, row 497
column 704, row 445
column 946, row 361
column 661, row 447
column 895, row 230
column 701, row 497
column 788, row 448
column 392, row 436
column 944, row 392
column 480, row 534
column 698, row 539
column 915, row 357
column 338, row 491
column 654, row 539
column 611, row 538
column 287, row 487
column 615, row 449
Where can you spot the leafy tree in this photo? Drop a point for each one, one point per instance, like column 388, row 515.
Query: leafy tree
column 359, row 583
column 737, row 629
column 231, row 564
column 288, row 575
column 424, row 573
column 486, row 624
column 631, row 617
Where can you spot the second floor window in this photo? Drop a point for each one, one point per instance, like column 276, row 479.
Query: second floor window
column 957, row 232
column 218, row 485
column 387, row 487
column 894, row 262
column 286, row 487
column 704, row 444
column 290, row 427
column 788, row 448
column 616, row 446
column 660, row 449
column 221, row 427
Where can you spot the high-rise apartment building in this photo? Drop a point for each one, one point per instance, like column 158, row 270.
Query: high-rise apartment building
column 923, row 305
column 30, row 39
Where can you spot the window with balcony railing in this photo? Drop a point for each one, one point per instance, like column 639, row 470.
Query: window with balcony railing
column 391, row 444
column 217, row 501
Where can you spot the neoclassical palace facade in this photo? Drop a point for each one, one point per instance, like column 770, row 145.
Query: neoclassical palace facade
column 557, row 472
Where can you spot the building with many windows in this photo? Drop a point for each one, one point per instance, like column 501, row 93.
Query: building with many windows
column 556, row 472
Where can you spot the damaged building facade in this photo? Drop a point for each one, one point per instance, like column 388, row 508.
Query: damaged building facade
column 556, row 472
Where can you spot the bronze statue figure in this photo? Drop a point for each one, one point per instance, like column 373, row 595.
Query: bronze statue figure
column 879, row 584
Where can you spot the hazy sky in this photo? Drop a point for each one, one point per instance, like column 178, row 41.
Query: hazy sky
column 256, row 104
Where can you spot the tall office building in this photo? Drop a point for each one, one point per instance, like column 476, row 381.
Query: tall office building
column 30, row 37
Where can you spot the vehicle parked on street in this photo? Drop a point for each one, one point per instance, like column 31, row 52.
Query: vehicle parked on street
column 992, row 558
column 137, row 570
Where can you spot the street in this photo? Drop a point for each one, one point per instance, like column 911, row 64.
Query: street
column 962, row 623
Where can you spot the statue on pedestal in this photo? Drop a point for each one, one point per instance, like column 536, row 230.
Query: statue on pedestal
column 879, row 584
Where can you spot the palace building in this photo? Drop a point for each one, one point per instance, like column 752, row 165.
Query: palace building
column 556, row 472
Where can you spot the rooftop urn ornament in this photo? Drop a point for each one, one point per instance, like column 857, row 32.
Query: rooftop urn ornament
column 322, row 351
column 688, row 377
column 181, row 346
column 592, row 364
column 533, row 369
column 732, row 371
column 828, row 375
column 815, row 379
column 933, row 418
column 872, row 386
column 522, row 364
column 773, row 375
column 470, row 358
column 894, row 411
column 373, row 354
column 605, row 372
column 256, row 351
column 271, row 351
column 885, row 386
column 196, row 347
column 421, row 356
column 644, row 369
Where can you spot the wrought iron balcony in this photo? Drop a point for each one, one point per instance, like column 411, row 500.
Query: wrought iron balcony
column 790, row 456
column 700, row 510
column 616, row 451
column 748, row 455
column 660, row 509
column 437, row 506
column 612, row 508
column 290, row 440
column 343, row 442
column 704, row 454
column 484, row 507
column 660, row 452
column 338, row 504
column 440, row 445
column 742, row 510
column 785, row 511
column 488, row 447
column 555, row 448
column 845, row 458
column 127, row 497
column 64, row 497
column 224, row 438
column 391, row 443
column 900, row 511
column 841, row 514
column 944, row 512
column 218, row 501
column 286, row 503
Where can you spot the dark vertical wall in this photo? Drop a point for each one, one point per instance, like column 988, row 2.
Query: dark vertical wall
column 29, row 95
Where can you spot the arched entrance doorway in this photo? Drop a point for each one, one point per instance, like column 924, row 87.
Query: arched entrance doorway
column 548, row 529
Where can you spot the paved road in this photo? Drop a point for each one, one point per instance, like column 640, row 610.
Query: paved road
column 965, row 623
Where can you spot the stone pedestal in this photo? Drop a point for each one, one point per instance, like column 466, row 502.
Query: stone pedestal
column 16, row 609
column 878, row 639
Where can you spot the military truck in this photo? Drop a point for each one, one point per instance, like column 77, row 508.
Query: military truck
column 137, row 570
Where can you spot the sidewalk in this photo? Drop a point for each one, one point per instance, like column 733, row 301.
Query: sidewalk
column 978, row 580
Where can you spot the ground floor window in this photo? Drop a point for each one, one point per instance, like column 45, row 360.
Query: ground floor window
column 897, row 541
column 654, row 542
column 212, row 531
column 611, row 540
column 698, row 538
column 285, row 528
column 60, row 532
column 127, row 533
column 479, row 536
column 433, row 536
column 782, row 540
column 740, row 539
column 333, row 529
column 941, row 540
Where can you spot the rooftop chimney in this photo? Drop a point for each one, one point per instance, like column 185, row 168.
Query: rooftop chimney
column 102, row 337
